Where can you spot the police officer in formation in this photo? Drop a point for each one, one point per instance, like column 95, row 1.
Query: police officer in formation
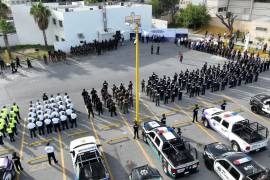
column 52, row 112
column 196, row 82
column 8, row 122
column 95, row 47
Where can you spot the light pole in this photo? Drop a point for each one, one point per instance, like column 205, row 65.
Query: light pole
column 135, row 20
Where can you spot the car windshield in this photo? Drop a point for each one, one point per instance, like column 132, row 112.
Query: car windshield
column 145, row 173
column 217, row 113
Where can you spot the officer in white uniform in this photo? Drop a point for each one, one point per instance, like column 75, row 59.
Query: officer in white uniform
column 63, row 119
column 73, row 119
column 58, row 97
column 68, row 113
column 48, row 124
column 56, row 123
column 32, row 128
column 40, row 126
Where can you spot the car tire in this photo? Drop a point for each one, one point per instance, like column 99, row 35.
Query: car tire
column 208, row 165
column 144, row 138
column 8, row 176
column 254, row 109
column 206, row 123
column 235, row 147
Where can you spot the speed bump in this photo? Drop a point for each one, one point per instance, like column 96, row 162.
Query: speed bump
column 43, row 141
column 118, row 139
column 109, row 126
column 77, row 133
column 181, row 123
column 38, row 159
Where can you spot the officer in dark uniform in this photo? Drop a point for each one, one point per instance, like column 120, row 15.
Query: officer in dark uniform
column 157, row 98
column 180, row 94
column 223, row 105
column 163, row 119
column 152, row 49
column 158, row 49
column 195, row 113
column 136, row 130
column 143, row 85
column 90, row 109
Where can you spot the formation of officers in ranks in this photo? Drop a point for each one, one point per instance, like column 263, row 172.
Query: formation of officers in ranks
column 8, row 122
column 218, row 47
column 51, row 113
column 196, row 82
column 95, row 47
column 121, row 96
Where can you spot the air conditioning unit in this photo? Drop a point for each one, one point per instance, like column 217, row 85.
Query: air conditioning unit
column 91, row 9
column 122, row 4
column 66, row 10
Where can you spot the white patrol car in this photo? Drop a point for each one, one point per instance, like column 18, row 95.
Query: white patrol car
column 244, row 135
column 87, row 160
column 260, row 104
column 239, row 166
column 177, row 157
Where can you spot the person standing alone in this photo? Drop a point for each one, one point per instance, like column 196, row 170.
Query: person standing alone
column 50, row 153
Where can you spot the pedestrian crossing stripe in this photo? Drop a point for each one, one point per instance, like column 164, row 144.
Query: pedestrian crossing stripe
column 38, row 159
column 43, row 141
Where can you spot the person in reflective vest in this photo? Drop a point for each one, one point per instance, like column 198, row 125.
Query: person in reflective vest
column 10, row 134
column 2, row 126
column 17, row 111
column 1, row 139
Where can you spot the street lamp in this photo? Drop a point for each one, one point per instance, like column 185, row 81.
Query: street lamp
column 134, row 20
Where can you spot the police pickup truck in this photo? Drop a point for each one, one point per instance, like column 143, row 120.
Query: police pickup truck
column 260, row 104
column 244, row 135
column 177, row 157
column 87, row 160
column 233, row 165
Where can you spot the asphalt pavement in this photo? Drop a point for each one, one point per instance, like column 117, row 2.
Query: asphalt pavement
column 115, row 134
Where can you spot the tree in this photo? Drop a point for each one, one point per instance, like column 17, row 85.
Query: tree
column 156, row 7
column 4, row 11
column 6, row 28
column 91, row 1
column 228, row 21
column 169, row 5
column 193, row 16
column 41, row 16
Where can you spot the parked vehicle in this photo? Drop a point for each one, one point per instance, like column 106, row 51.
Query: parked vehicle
column 176, row 155
column 145, row 172
column 260, row 104
column 87, row 160
column 244, row 135
column 7, row 169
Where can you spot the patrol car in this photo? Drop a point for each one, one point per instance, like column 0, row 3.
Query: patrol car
column 239, row 166
column 7, row 169
column 213, row 151
column 244, row 135
column 260, row 104
column 145, row 172
column 87, row 159
column 177, row 157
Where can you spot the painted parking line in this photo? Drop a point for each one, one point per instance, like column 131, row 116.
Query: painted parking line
column 76, row 133
column 39, row 167
column 22, row 145
column 38, row 159
column 181, row 123
column 148, row 158
column 99, row 142
column 43, row 141
column 62, row 155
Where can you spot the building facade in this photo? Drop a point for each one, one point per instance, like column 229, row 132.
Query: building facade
column 72, row 24
column 253, row 16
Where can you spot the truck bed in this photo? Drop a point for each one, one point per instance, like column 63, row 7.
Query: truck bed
column 250, row 132
column 93, row 171
column 179, row 157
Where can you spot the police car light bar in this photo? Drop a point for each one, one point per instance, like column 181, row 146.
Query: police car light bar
column 241, row 161
column 230, row 114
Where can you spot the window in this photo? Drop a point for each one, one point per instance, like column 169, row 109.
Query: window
column 225, row 124
column 157, row 141
column 261, row 29
column 234, row 173
column 54, row 21
column 216, row 118
column 56, row 38
column 222, row 9
column 80, row 36
column 152, row 135
column 60, row 23
column 224, row 163
column 62, row 39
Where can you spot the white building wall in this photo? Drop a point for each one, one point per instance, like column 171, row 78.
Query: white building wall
column 27, row 30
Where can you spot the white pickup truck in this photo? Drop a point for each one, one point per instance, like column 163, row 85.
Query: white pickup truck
column 244, row 135
column 87, row 159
